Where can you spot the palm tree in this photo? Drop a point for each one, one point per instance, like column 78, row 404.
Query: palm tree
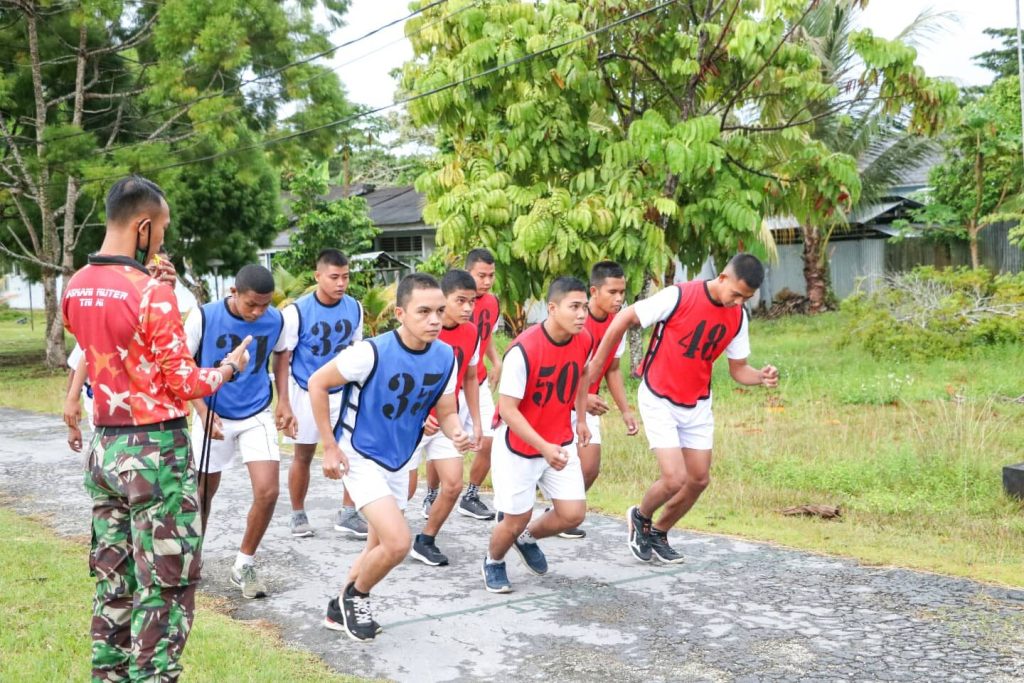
column 289, row 287
column 854, row 123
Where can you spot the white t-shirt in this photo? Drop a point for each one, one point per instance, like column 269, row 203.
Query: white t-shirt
column 290, row 333
column 659, row 307
column 355, row 364
column 194, row 333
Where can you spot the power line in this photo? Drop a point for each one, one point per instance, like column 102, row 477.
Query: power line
column 448, row 86
column 274, row 72
column 236, row 108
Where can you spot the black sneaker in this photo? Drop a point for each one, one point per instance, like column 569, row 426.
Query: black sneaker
column 472, row 506
column 353, row 617
column 639, row 534
column 573, row 533
column 662, row 550
column 334, row 620
column 427, row 552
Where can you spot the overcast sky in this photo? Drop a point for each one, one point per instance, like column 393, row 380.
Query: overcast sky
column 367, row 81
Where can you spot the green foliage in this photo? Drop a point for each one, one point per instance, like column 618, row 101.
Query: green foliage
column 637, row 144
column 289, row 287
column 342, row 224
column 1002, row 60
column 980, row 180
column 930, row 313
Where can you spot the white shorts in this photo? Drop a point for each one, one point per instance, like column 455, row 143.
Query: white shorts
column 515, row 478
column 593, row 423
column 671, row 426
column 486, row 410
column 307, row 433
column 255, row 438
column 366, row 481
column 436, row 447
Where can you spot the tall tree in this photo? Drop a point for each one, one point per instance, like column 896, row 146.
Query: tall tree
column 981, row 178
column 1003, row 60
column 625, row 130
column 857, row 123
column 93, row 89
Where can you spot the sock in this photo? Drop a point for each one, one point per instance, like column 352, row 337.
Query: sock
column 300, row 511
column 348, row 509
column 242, row 559
column 426, row 538
column 432, row 494
column 526, row 537
column 655, row 530
column 351, row 592
column 491, row 560
column 472, row 491
column 641, row 515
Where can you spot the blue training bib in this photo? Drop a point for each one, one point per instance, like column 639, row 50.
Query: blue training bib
column 387, row 424
column 324, row 332
column 252, row 391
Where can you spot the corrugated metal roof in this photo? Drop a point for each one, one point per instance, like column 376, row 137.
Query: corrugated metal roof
column 389, row 206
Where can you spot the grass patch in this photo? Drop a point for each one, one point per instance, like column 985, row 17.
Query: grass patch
column 912, row 452
column 47, row 602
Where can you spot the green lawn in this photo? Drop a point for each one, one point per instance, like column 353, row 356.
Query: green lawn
column 45, row 611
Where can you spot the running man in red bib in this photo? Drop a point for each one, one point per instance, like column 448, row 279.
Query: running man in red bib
column 444, row 461
column 696, row 322
column 486, row 315
column 607, row 293
column 543, row 381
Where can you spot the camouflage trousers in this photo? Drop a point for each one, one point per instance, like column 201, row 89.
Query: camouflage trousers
column 145, row 556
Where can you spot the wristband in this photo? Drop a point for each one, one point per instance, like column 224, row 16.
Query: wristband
column 234, row 369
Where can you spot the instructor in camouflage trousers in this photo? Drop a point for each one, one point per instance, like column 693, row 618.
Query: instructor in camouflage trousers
column 146, row 536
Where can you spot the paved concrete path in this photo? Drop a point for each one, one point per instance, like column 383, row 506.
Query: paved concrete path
column 735, row 611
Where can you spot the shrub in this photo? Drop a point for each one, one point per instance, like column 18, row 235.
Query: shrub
column 930, row 313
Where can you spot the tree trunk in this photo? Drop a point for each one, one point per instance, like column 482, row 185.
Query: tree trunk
column 56, row 352
column 972, row 234
column 635, row 335
column 815, row 274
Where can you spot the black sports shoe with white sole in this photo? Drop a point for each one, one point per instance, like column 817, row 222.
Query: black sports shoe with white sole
column 353, row 616
column 639, row 534
column 661, row 549
column 427, row 552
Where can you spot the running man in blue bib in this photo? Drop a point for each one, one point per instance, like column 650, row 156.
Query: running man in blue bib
column 317, row 327
column 242, row 422
column 391, row 382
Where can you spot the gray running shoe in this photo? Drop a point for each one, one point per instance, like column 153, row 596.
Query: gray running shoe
column 299, row 525
column 427, row 502
column 350, row 524
column 249, row 581
column 472, row 506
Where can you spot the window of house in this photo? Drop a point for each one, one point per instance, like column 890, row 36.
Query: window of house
column 407, row 248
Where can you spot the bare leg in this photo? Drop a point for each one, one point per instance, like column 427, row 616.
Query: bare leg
column 481, row 463
column 208, row 485
column 393, row 541
column 590, row 462
column 449, row 473
column 673, row 476
column 564, row 515
column 698, row 466
column 265, row 478
column 505, row 534
column 433, row 480
column 298, row 474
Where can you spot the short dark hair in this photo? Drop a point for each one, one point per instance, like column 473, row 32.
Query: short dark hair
column 456, row 279
column 748, row 268
column 479, row 256
column 562, row 286
column 412, row 282
column 131, row 195
column 331, row 257
column 253, row 278
column 602, row 270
